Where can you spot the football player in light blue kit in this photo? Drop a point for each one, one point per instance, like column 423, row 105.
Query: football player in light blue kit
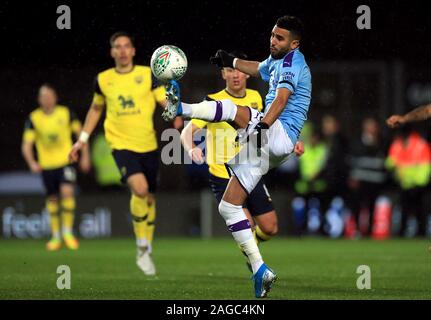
column 270, row 136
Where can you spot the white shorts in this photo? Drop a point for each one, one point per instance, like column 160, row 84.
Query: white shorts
column 250, row 164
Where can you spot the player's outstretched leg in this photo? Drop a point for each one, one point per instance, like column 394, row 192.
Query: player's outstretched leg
column 212, row 111
column 230, row 209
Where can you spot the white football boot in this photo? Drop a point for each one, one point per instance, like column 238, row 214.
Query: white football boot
column 145, row 262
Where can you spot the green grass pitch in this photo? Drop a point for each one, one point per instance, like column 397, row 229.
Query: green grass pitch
column 190, row 268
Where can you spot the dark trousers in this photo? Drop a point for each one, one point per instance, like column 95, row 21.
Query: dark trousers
column 412, row 205
column 364, row 197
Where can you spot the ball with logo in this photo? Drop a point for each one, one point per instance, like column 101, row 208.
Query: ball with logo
column 168, row 63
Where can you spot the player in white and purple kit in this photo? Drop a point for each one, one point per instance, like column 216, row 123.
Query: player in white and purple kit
column 268, row 138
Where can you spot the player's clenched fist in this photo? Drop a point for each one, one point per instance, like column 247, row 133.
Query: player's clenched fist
column 299, row 148
column 35, row 167
column 222, row 59
column 395, row 121
column 196, row 155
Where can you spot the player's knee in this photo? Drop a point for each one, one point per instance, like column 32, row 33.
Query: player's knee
column 67, row 191
column 270, row 228
column 230, row 212
column 140, row 191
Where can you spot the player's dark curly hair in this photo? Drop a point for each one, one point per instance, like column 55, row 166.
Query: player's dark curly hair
column 293, row 24
column 118, row 34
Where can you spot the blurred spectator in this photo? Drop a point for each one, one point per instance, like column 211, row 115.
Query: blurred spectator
column 311, row 164
column 409, row 158
column 335, row 171
column 310, row 185
column 367, row 174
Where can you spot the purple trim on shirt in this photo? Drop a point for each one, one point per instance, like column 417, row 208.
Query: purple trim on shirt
column 287, row 62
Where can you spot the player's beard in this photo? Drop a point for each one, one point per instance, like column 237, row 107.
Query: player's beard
column 279, row 54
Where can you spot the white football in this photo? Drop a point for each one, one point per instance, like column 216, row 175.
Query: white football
column 168, row 63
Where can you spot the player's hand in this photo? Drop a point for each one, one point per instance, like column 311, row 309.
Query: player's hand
column 260, row 134
column 35, row 167
column 395, row 121
column 299, row 148
column 196, row 155
column 222, row 59
column 74, row 153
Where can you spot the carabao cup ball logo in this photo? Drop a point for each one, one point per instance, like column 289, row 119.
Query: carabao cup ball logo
column 168, row 62
column 161, row 61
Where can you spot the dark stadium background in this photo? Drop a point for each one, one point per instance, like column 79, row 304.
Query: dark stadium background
column 34, row 50
column 356, row 73
column 366, row 72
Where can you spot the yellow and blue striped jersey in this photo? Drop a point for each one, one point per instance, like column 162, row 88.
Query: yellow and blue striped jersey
column 130, row 100
column 52, row 134
column 220, row 136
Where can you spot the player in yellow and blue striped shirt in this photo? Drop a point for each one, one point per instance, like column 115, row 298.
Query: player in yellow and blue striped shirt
column 50, row 128
column 130, row 94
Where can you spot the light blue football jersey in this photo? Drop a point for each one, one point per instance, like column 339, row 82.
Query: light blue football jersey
column 293, row 73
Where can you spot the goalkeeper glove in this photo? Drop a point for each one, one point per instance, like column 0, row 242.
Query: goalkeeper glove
column 261, row 134
column 222, row 59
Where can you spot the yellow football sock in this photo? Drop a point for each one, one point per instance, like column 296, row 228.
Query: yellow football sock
column 139, row 210
column 54, row 219
column 67, row 214
column 151, row 221
column 261, row 236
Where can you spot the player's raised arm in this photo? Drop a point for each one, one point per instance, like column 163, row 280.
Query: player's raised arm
column 224, row 59
column 418, row 114
column 277, row 106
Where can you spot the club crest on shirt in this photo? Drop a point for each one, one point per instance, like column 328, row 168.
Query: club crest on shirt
column 139, row 79
column 254, row 105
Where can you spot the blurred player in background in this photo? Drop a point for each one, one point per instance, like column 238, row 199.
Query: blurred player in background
column 130, row 95
column 272, row 134
column 419, row 114
column 50, row 128
column 221, row 147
